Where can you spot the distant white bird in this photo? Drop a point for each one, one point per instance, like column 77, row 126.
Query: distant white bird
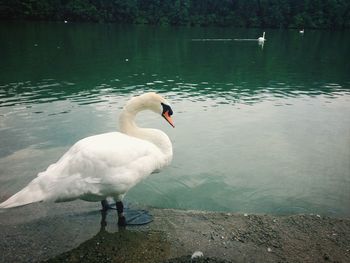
column 65, row 21
column 105, row 165
column 262, row 39
column 301, row 31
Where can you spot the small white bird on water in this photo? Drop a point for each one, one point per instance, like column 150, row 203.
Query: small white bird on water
column 262, row 39
column 105, row 165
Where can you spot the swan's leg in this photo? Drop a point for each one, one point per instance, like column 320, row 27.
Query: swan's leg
column 121, row 217
column 105, row 205
column 103, row 220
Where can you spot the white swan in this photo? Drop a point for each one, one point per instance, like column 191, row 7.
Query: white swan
column 105, row 165
column 301, row 31
column 262, row 39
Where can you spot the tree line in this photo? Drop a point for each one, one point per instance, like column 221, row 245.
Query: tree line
column 333, row 14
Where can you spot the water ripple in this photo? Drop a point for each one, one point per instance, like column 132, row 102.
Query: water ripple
column 51, row 90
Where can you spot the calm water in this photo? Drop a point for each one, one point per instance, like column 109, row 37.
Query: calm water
column 258, row 129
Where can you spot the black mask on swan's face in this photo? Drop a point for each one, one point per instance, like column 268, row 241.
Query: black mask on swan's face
column 167, row 112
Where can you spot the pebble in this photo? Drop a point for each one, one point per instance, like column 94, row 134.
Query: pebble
column 197, row 254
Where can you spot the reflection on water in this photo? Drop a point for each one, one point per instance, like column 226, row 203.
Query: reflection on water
column 257, row 130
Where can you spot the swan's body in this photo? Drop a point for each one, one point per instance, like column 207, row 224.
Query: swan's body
column 301, row 31
column 105, row 165
column 94, row 168
column 262, row 39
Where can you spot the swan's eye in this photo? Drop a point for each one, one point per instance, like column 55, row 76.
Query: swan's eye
column 167, row 108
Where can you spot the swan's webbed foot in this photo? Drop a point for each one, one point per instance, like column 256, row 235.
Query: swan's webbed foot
column 120, row 210
column 121, row 221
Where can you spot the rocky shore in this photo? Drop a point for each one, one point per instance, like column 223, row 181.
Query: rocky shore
column 174, row 236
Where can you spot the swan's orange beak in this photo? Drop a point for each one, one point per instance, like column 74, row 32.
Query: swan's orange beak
column 168, row 118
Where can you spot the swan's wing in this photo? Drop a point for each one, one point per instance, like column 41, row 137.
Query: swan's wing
column 100, row 165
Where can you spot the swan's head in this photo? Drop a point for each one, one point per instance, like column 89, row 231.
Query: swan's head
column 154, row 102
column 160, row 105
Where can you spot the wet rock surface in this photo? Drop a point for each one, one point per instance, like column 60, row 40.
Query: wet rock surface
column 123, row 246
column 173, row 236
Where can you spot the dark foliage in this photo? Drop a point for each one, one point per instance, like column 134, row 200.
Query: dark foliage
column 239, row 13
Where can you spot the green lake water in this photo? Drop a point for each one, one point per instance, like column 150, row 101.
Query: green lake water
column 259, row 129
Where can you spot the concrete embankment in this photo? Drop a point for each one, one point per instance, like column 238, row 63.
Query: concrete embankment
column 173, row 236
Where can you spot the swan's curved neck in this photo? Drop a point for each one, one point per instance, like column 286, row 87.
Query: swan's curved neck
column 128, row 126
column 127, row 123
